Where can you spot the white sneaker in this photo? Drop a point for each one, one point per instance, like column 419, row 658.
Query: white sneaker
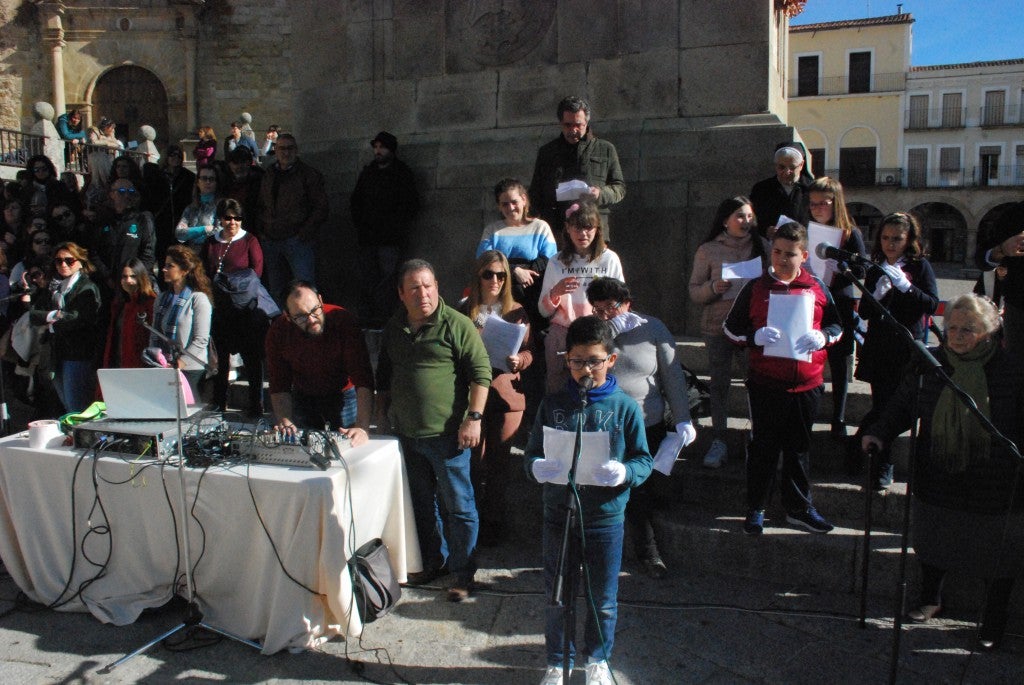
column 598, row 673
column 553, row 676
column 716, row 455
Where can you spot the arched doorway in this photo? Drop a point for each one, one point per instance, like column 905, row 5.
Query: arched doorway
column 131, row 96
column 945, row 232
column 867, row 218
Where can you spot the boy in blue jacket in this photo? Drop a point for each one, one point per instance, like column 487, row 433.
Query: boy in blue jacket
column 590, row 354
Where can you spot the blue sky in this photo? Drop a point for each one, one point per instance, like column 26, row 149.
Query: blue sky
column 945, row 31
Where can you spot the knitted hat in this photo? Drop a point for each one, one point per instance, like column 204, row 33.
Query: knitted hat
column 387, row 140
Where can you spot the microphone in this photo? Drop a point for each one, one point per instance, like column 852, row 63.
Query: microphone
column 141, row 317
column 826, row 251
column 586, row 384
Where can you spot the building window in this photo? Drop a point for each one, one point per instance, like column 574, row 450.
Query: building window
column 992, row 112
column 988, row 165
column 857, row 166
column 807, row 75
column 950, row 171
column 952, row 110
column 918, row 112
column 917, row 167
column 817, row 155
column 1019, row 171
column 860, row 72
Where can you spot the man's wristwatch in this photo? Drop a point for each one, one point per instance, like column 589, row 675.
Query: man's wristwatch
column 474, row 416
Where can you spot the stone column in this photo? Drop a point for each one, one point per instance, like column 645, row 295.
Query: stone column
column 53, row 36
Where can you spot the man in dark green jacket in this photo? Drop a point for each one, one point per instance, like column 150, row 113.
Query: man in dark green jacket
column 577, row 154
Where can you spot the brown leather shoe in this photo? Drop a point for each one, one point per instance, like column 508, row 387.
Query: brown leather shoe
column 427, row 576
column 460, row 590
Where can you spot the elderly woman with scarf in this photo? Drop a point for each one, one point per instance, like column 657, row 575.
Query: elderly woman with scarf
column 968, row 506
column 649, row 371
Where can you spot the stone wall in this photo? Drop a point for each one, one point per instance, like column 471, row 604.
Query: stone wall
column 685, row 91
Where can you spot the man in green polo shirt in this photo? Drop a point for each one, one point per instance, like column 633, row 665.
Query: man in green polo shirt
column 433, row 375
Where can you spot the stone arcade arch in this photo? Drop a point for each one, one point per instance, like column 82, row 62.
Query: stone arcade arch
column 944, row 231
column 131, row 96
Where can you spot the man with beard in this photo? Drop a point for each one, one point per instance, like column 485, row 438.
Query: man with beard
column 384, row 204
column 319, row 367
column 576, row 155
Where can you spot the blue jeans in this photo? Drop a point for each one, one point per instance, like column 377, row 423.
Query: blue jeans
column 439, row 469
column 286, row 260
column 75, row 383
column 312, row 412
column 602, row 559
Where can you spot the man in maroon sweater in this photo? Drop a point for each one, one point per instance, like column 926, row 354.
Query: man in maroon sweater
column 319, row 367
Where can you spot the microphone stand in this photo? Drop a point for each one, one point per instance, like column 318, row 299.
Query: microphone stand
column 193, row 618
column 927, row 364
column 563, row 594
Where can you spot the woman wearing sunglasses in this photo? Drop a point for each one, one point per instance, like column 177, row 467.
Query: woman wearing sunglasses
column 128, row 234
column 491, row 465
column 233, row 250
column 72, row 317
column 197, row 221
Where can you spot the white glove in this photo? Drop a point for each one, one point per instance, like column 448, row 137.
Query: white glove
column 610, row 474
column 545, row 470
column 767, row 336
column 883, row 286
column 686, row 431
column 898, row 278
column 811, row 341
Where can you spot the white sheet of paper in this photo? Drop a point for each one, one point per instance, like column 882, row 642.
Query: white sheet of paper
column 668, row 452
column 502, row 339
column 569, row 191
column 793, row 315
column 595, row 450
column 748, row 269
column 817, row 234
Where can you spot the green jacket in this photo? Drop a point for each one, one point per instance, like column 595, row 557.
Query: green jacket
column 429, row 372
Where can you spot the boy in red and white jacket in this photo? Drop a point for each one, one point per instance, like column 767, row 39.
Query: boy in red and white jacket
column 784, row 393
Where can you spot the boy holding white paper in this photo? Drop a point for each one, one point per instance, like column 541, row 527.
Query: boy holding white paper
column 784, row 381
column 590, row 355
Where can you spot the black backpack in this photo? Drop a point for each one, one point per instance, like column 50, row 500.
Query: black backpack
column 373, row 581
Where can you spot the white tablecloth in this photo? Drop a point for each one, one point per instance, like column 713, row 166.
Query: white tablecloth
column 241, row 586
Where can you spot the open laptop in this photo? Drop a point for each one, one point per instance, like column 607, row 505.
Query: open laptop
column 143, row 394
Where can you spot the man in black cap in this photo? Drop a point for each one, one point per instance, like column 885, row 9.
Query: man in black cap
column 384, row 205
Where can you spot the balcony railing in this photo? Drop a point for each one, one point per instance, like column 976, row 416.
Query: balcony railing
column 1001, row 116
column 16, row 147
column 1001, row 176
column 840, row 85
column 937, row 117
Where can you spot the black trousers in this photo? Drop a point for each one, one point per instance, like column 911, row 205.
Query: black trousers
column 781, row 424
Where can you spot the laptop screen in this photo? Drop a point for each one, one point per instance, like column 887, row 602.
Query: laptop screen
column 143, row 394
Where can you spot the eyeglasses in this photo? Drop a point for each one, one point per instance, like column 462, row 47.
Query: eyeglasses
column 63, row 215
column 822, row 204
column 301, row 318
column 41, row 241
column 231, row 218
column 66, row 261
column 125, row 191
column 34, row 274
column 207, row 178
column 37, row 169
column 610, row 309
column 593, row 364
column 492, row 275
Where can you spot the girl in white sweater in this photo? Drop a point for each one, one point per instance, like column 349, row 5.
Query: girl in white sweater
column 563, row 296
